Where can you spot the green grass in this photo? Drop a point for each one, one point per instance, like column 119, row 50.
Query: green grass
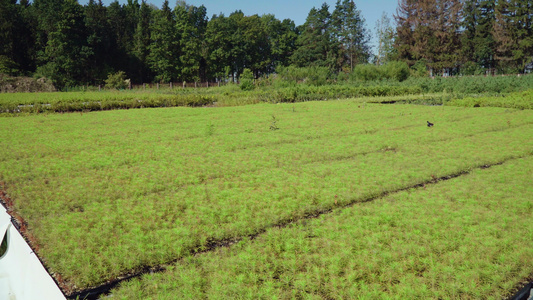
column 521, row 100
column 466, row 238
column 230, row 95
column 107, row 193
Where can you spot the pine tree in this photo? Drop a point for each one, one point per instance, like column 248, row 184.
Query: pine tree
column 349, row 35
column 218, row 39
column 67, row 51
column 406, row 21
column 314, row 45
column 477, row 41
column 16, row 38
column 428, row 31
column 191, row 23
column 99, row 40
column 141, row 39
column 256, row 46
column 513, row 34
column 163, row 57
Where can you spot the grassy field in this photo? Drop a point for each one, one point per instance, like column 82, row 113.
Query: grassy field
column 110, row 193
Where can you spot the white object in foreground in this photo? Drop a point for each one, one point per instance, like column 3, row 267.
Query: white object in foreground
column 22, row 276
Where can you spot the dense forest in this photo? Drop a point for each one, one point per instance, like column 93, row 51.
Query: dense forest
column 74, row 44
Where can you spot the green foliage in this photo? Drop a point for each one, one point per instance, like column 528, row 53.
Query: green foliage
column 247, row 80
column 116, row 81
column 366, row 72
column 315, row 76
column 473, row 84
column 394, row 70
column 164, row 49
column 465, row 237
column 94, row 101
column 8, row 66
column 419, row 69
column 522, row 100
column 131, row 207
column 471, row 68
column 273, row 125
column 315, row 45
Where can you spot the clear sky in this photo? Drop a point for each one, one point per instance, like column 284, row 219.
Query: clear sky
column 296, row 10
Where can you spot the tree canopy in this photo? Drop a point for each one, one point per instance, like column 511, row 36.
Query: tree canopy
column 75, row 44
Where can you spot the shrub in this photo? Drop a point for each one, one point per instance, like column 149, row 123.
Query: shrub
column 366, row 72
column 419, row 69
column 396, row 70
column 8, row 66
column 116, row 81
column 247, row 80
column 310, row 75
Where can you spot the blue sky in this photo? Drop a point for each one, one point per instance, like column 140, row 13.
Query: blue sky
column 296, row 10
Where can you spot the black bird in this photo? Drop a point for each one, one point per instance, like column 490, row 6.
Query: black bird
column 430, row 124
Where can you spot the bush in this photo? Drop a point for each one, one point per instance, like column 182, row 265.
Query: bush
column 316, row 76
column 116, row 81
column 8, row 66
column 247, row 80
column 419, row 69
column 395, row 70
column 366, row 72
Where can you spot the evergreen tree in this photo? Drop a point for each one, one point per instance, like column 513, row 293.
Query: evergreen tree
column 255, row 45
column 282, row 37
column 141, row 46
column 350, row 37
column 513, row 34
column 428, row 31
column 218, row 38
column 67, row 51
column 164, row 47
column 191, row 24
column 99, row 40
column 314, row 45
column 16, row 38
column 477, row 40
column 406, row 21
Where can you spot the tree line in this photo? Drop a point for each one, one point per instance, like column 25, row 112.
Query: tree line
column 74, row 44
column 466, row 36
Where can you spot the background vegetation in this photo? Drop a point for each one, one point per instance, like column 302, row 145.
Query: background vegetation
column 73, row 44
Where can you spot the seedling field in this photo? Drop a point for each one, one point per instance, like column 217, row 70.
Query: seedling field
column 466, row 238
column 112, row 193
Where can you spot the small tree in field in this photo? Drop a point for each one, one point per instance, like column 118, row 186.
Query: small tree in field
column 116, row 81
column 247, row 80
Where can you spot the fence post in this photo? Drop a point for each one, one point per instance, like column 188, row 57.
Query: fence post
column 195, row 85
column 184, row 83
column 171, row 85
column 208, row 84
column 144, row 86
column 219, row 84
column 129, row 85
column 99, row 87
